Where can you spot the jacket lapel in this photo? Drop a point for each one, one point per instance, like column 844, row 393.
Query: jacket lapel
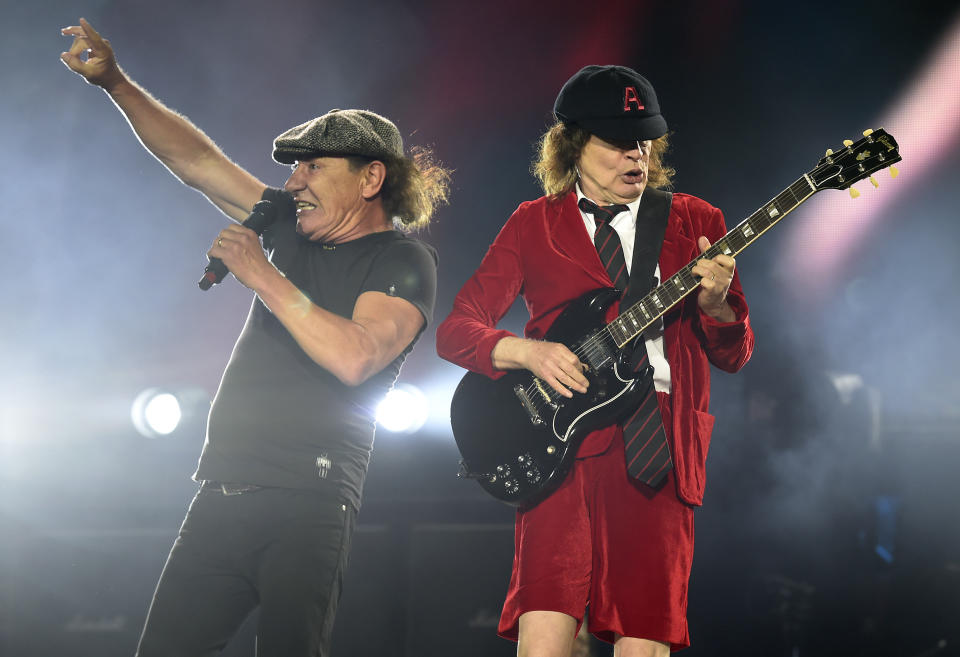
column 568, row 236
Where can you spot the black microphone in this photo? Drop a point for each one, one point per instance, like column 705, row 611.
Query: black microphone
column 262, row 216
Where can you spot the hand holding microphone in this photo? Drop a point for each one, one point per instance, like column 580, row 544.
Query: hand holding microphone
column 262, row 216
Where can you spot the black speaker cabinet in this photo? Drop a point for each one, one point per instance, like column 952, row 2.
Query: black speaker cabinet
column 414, row 590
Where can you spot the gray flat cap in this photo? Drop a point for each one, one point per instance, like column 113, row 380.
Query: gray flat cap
column 339, row 133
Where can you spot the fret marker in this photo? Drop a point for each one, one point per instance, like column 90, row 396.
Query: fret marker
column 772, row 211
column 748, row 231
column 726, row 249
column 657, row 301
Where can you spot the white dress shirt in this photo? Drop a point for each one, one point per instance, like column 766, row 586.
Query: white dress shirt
column 625, row 225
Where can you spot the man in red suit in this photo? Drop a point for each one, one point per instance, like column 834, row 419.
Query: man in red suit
column 608, row 537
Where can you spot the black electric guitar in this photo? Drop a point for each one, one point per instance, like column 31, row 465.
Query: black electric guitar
column 518, row 436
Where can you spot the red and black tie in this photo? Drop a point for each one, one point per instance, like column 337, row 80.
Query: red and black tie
column 644, row 440
column 645, row 443
column 607, row 241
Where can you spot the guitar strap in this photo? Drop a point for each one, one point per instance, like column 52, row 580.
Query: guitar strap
column 644, row 436
column 652, row 215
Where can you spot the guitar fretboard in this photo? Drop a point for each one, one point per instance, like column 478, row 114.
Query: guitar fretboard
column 645, row 312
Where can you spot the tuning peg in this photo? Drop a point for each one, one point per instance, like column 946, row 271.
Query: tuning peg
column 848, row 142
column 873, row 181
column 867, row 132
column 829, row 152
column 894, row 172
column 854, row 193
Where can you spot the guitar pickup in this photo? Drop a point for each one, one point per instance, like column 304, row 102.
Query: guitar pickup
column 528, row 405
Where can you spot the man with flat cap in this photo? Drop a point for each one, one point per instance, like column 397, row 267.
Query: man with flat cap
column 617, row 533
column 341, row 296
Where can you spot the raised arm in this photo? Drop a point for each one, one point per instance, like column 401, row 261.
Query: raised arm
column 186, row 151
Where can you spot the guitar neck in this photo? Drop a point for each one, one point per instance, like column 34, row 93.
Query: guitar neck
column 640, row 316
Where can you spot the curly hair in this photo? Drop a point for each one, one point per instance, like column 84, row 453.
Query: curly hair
column 413, row 188
column 559, row 151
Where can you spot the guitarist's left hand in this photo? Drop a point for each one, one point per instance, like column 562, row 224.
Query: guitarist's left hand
column 715, row 278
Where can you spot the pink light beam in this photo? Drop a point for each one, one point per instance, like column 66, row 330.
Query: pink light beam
column 831, row 226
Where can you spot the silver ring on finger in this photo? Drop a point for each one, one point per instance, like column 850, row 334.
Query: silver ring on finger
column 219, row 241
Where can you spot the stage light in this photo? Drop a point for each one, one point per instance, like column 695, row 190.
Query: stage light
column 403, row 410
column 846, row 384
column 925, row 121
column 158, row 412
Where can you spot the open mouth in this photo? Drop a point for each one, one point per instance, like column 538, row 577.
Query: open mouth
column 303, row 206
column 634, row 176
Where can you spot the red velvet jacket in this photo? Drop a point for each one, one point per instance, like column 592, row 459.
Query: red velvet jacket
column 544, row 253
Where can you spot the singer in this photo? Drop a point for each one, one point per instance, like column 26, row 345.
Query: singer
column 341, row 295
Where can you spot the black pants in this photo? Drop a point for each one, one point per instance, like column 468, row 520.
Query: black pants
column 284, row 550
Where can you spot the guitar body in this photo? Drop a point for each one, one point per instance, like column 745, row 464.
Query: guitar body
column 518, row 437
column 520, row 446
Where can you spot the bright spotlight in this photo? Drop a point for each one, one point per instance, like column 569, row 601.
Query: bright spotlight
column 403, row 410
column 157, row 412
column 163, row 413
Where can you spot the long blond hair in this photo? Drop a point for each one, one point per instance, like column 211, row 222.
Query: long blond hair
column 559, row 151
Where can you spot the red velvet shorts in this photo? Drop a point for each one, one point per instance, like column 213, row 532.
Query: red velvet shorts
column 604, row 540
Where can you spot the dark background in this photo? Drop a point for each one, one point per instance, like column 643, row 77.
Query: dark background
column 829, row 526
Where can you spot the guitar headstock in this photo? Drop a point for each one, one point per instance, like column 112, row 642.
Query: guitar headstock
column 856, row 161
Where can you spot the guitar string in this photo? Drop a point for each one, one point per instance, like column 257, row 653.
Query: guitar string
column 593, row 346
column 598, row 343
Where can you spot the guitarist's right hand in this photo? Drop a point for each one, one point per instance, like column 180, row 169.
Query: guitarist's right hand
column 549, row 361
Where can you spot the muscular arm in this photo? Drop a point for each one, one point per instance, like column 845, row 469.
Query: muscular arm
column 352, row 349
column 185, row 150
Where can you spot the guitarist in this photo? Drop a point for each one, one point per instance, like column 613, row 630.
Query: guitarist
column 605, row 537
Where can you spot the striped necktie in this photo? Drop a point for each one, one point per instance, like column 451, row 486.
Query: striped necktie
column 644, row 440
column 607, row 241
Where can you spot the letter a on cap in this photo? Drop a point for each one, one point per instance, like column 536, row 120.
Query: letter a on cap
column 630, row 96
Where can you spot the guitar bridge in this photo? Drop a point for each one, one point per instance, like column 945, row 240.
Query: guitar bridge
column 528, row 404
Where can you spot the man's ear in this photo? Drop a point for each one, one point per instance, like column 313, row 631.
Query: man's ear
column 372, row 179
